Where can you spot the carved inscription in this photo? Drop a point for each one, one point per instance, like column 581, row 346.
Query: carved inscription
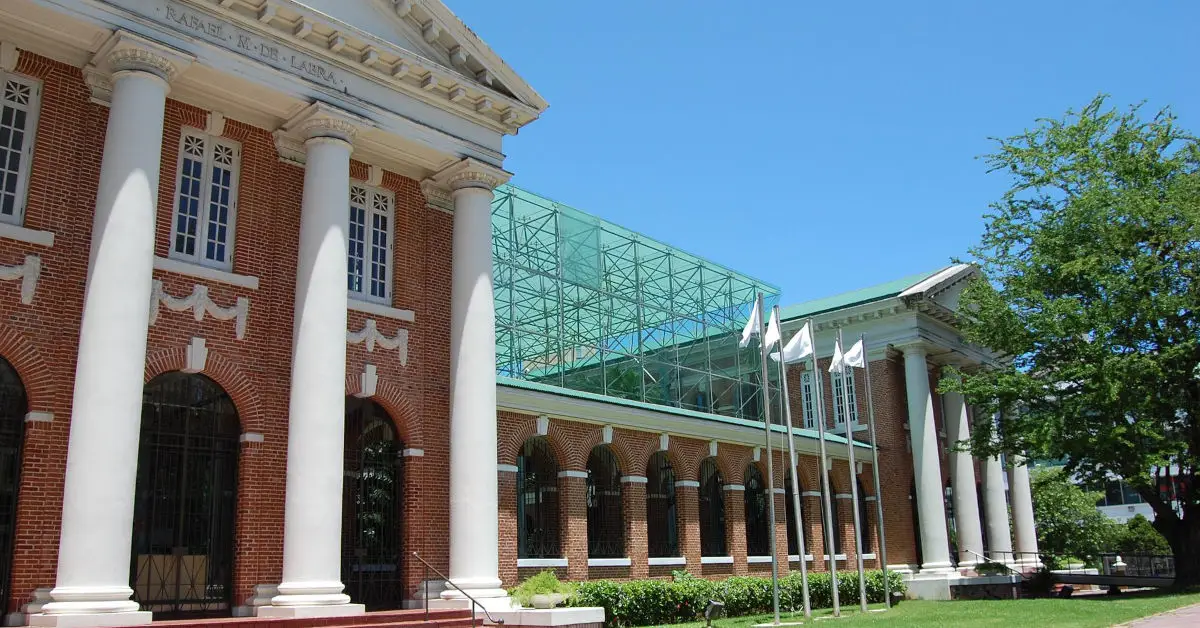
column 250, row 45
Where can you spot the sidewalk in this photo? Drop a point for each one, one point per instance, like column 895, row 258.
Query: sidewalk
column 1188, row 616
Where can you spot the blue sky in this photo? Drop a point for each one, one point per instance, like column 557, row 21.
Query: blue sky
column 821, row 146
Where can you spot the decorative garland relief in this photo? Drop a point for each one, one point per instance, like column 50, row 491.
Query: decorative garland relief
column 371, row 335
column 28, row 273
column 200, row 304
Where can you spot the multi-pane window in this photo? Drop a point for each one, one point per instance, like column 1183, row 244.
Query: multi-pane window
column 839, row 410
column 205, row 200
column 18, row 120
column 370, row 243
column 806, row 395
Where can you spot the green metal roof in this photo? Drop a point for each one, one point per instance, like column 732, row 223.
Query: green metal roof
column 855, row 297
column 579, row 394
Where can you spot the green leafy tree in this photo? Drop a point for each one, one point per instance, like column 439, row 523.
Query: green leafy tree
column 1091, row 261
column 1068, row 523
column 1140, row 537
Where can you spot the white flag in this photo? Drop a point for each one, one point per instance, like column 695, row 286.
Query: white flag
column 836, row 365
column 855, row 357
column 772, row 336
column 798, row 348
column 752, row 325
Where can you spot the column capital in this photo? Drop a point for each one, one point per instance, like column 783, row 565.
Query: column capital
column 317, row 121
column 471, row 173
column 915, row 349
column 125, row 52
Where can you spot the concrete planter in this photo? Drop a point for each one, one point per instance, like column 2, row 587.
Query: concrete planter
column 547, row 600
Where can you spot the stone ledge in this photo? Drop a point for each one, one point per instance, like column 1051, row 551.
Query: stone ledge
column 581, row 617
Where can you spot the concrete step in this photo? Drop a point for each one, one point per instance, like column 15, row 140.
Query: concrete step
column 415, row 618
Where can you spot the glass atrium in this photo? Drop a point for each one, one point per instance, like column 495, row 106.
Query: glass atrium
column 586, row 305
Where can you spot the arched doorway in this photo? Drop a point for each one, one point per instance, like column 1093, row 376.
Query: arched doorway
column 755, row 496
column 712, row 510
column 372, row 503
column 605, row 523
column 662, row 524
column 13, row 406
column 186, row 498
column 537, row 501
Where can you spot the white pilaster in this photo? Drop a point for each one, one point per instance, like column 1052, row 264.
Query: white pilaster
column 995, row 509
column 962, row 480
column 474, row 538
column 931, row 509
column 312, row 528
column 92, row 587
column 1021, row 497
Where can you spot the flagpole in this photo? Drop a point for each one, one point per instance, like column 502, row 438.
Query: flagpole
column 887, row 594
column 862, row 580
column 758, row 305
column 795, row 496
column 827, row 524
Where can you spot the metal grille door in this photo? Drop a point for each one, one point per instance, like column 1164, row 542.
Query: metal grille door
column 13, row 407
column 712, row 510
column 371, row 507
column 185, row 501
column 537, row 501
column 606, row 536
column 662, row 534
column 758, row 534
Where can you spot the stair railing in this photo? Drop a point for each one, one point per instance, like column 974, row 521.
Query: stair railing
column 474, row 602
column 995, row 562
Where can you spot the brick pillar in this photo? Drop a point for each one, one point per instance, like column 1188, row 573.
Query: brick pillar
column 572, row 509
column 687, row 506
column 845, row 522
column 35, row 542
column 735, row 526
column 781, row 532
column 816, row 531
column 633, row 496
column 508, row 527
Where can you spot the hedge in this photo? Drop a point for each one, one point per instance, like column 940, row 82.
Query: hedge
column 658, row 602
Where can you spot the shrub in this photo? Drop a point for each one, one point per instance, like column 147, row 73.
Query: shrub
column 684, row 598
column 544, row 582
column 1140, row 537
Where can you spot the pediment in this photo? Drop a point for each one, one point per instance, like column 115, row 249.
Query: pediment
column 944, row 287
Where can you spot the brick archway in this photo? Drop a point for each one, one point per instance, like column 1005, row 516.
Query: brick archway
column 222, row 371
column 398, row 406
column 31, row 368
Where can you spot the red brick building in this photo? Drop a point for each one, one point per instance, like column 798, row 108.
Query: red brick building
column 247, row 340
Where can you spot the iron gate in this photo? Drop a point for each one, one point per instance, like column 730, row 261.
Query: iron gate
column 185, row 501
column 605, row 525
column 371, row 507
column 712, row 510
column 662, row 534
column 537, row 501
column 13, row 406
column 758, row 539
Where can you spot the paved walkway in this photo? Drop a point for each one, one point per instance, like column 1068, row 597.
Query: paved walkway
column 1186, row 617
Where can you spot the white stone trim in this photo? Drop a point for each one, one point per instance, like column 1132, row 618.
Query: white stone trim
column 573, row 474
column 25, row 234
column 755, row 560
column 869, row 498
column 757, row 456
column 687, row 484
column 200, row 304
column 412, row 452
column 779, row 491
column 716, row 560
column 810, row 493
column 843, row 496
column 634, row 479
column 606, row 435
column 541, row 562
column 734, row 487
column 795, row 558
column 368, row 382
column 371, row 335
column 39, row 417
column 251, row 437
column 869, row 556
column 379, row 309
column 835, row 557
column 712, row 449
column 543, row 425
column 199, row 271
column 9, row 55
column 28, row 272
column 507, row 468
column 664, row 441
column 666, row 560
column 609, row 562
column 196, row 356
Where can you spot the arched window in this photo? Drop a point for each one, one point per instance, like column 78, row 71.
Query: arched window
column 537, row 501
column 13, row 408
column 835, row 526
column 712, row 510
column 606, row 536
column 662, row 533
column 185, row 497
column 758, row 539
column 372, row 505
column 864, row 518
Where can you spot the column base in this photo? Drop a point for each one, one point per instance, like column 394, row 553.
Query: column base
column 937, row 569
column 262, row 596
column 310, row 599
column 82, row 620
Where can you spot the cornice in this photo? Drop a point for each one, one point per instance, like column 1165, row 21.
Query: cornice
column 436, row 196
column 382, row 61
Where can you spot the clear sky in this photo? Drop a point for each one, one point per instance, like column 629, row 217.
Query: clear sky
column 820, row 146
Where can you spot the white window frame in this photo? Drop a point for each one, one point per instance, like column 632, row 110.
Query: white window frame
column 198, row 254
column 370, row 211
column 836, row 383
column 31, row 109
column 806, row 400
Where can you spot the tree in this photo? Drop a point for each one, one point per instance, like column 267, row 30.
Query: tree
column 1068, row 523
column 1091, row 261
column 1140, row 537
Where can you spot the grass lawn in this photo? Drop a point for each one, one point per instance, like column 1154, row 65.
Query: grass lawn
column 1086, row 611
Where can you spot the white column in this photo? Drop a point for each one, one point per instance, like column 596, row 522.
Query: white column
column 995, row 509
column 962, row 479
column 92, row 587
column 1022, row 512
column 312, row 527
column 931, row 509
column 474, row 536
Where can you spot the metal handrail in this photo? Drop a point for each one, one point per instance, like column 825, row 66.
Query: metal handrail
column 996, row 562
column 450, row 582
